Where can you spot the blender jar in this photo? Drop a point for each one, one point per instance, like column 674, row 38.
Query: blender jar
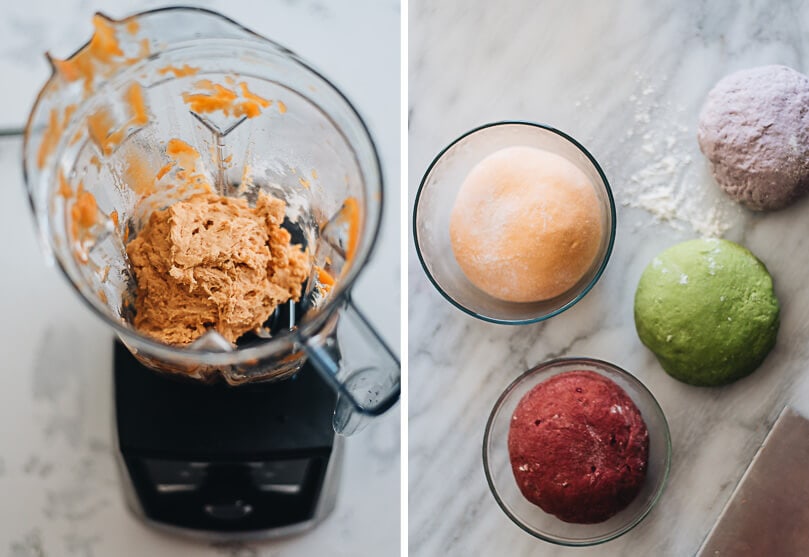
column 163, row 104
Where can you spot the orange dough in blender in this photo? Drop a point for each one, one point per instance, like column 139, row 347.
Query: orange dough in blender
column 526, row 225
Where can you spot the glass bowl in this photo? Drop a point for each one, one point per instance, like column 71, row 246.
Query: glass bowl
column 436, row 197
column 531, row 518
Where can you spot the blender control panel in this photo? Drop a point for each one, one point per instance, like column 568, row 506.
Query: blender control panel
column 217, row 458
column 172, row 476
column 228, row 496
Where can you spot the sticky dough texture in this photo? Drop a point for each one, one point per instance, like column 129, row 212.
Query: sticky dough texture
column 578, row 447
column 754, row 130
column 214, row 262
column 526, row 225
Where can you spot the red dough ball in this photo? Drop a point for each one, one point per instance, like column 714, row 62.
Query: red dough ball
column 579, row 447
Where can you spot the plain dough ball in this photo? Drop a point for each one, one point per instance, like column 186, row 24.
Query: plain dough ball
column 707, row 310
column 754, row 129
column 526, row 225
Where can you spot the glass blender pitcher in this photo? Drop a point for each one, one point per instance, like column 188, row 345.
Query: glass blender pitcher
column 166, row 103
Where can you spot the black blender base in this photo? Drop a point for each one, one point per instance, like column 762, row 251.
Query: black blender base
column 219, row 461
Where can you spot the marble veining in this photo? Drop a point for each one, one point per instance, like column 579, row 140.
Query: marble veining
column 61, row 494
column 627, row 79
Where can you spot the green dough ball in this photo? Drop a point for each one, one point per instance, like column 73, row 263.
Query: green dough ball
column 707, row 309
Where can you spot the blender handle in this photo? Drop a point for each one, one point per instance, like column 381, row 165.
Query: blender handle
column 350, row 354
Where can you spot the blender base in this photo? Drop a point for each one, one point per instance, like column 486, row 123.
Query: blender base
column 220, row 462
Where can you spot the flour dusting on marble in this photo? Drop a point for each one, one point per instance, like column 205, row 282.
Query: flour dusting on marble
column 670, row 182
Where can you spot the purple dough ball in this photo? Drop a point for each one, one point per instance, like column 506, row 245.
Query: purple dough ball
column 754, row 129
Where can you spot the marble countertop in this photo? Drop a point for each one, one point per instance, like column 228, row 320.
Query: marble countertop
column 61, row 492
column 627, row 79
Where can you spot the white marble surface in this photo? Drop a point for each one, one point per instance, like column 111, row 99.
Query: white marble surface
column 60, row 490
column 627, row 78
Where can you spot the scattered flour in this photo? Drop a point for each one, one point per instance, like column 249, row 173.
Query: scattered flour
column 663, row 171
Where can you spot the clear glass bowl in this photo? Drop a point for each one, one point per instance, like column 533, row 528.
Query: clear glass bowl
column 531, row 518
column 436, row 197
